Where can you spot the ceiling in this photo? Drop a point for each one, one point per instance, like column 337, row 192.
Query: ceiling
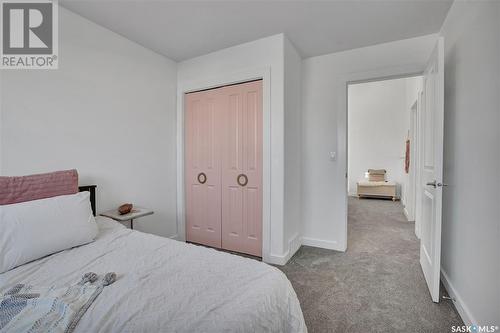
column 185, row 29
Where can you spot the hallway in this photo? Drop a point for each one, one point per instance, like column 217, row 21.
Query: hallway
column 376, row 286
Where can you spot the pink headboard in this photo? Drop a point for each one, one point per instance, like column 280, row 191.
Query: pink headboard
column 34, row 187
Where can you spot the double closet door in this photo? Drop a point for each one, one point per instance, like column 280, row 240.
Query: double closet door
column 223, row 167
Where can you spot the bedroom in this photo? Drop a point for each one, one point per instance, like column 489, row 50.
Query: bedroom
column 113, row 110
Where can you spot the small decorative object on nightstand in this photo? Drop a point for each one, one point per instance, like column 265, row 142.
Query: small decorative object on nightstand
column 125, row 209
column 135, row 213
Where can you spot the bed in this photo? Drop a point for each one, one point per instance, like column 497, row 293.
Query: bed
column 377, row 189
column 164, row 285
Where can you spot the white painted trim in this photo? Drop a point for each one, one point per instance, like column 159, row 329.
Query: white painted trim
column 462, row 308
column 411, row 191
column 385, row 73
column 1, row 125
column 418, row 155
column 324, row 244
column 293, row 246
column 406, row 214
column 277, row 259
column 263, row 73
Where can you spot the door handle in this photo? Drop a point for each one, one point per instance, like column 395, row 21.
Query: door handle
column 202, row 178
column 434, row 184
column 239, row 179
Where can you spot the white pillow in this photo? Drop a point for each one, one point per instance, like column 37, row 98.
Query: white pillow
column 33, row 229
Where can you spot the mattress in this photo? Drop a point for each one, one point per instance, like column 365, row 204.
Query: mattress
column 165, row 285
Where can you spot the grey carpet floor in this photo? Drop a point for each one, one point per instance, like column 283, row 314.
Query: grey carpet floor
column 377, row 285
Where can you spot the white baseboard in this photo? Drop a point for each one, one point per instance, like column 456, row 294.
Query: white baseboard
column 324, row 244
column 407, row 215
column 459, row 303
column 275, row 259
column 293, row 246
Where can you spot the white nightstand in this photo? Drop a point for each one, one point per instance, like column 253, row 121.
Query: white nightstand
column 136, row 213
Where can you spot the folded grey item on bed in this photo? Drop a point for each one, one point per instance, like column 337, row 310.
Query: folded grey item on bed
column 26, row 308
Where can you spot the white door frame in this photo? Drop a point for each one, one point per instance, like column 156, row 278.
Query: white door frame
column 386, row 73
column 214, row 82
column 410, row 203
column 417, row 163
column 418, row 174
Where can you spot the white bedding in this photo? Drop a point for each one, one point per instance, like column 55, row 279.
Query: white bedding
column 168, row 286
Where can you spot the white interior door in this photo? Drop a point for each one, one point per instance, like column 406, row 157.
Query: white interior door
column 432, row 170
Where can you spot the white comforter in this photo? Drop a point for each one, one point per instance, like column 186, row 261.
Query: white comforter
column 169, row 286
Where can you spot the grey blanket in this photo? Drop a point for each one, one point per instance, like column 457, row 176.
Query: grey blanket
column 25, row 308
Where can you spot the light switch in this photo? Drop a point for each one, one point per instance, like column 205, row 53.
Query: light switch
column 333, row 156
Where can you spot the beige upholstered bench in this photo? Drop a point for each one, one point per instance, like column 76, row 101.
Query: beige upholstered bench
column 381, row 189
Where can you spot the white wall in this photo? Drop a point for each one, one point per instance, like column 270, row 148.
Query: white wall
column 471, row 229
column 266, row 53
column 108, row 111
column 324, row 128
column 378, row 124
column 293, row 149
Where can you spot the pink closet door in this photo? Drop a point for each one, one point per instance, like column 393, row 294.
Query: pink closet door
column 242, row 168
column 202, row 168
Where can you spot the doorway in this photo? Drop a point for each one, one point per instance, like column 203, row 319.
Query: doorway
column 382, row 139
column 382, row 136
column 429, row 172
